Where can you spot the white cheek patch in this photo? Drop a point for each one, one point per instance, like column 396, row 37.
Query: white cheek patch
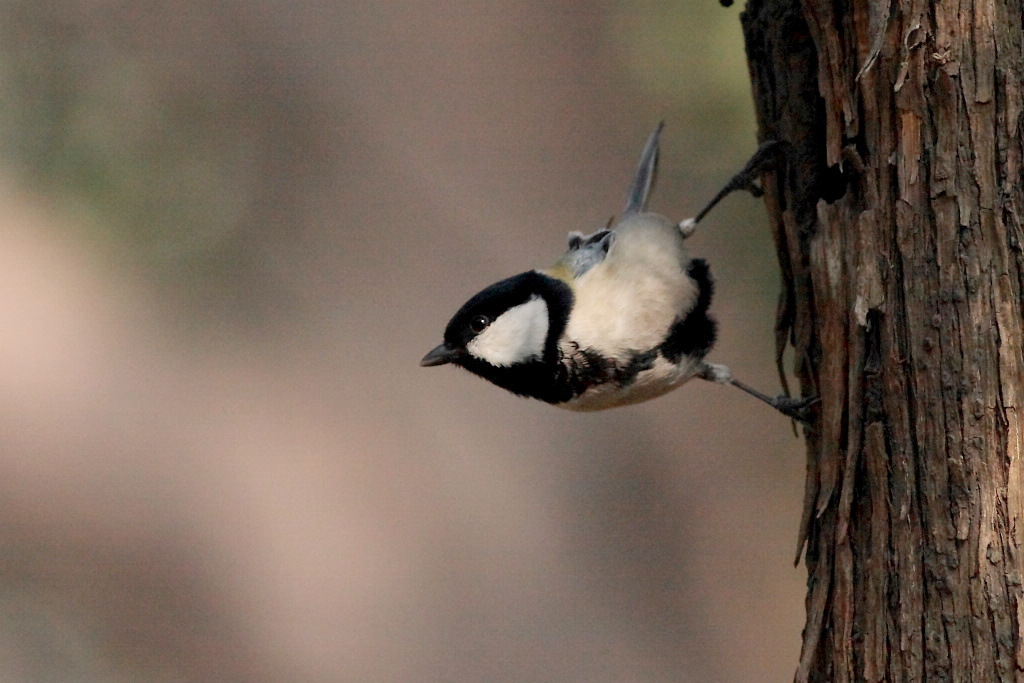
column 515, row 336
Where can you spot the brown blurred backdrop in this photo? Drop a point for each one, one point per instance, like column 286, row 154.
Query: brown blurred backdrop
column 228, row 232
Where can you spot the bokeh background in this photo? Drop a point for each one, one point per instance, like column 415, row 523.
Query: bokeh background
column 229, row 230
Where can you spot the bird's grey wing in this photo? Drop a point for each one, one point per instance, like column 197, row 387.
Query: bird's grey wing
column 586, row 251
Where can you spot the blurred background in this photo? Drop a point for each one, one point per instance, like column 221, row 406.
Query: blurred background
column 228, row 232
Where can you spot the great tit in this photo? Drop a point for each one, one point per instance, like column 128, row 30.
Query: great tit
column 621, row 318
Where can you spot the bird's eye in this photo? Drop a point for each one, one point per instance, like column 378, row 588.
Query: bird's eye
column 478, row 323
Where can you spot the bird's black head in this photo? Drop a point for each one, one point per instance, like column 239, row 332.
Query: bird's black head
column 508, row 333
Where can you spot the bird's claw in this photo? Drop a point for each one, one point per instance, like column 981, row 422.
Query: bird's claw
column 800, row 409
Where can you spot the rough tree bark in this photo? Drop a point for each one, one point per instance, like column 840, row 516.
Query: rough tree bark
column 897, row 218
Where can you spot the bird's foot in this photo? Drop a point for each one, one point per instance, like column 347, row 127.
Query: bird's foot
column 800, row 409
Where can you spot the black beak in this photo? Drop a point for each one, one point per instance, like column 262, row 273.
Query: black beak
column 440, row 355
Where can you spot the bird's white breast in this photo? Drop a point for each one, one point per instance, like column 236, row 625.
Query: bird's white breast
column 660, row 379
column 631, row 299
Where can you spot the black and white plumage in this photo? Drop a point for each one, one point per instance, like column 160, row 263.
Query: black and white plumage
column 621, row 318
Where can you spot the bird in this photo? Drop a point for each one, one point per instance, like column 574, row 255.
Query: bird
column 622, row 317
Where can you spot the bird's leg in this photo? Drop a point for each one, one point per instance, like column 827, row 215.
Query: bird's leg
column 795, row 408
column 746, row 179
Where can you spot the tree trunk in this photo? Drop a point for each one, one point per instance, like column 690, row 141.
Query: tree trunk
column 897, row 219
